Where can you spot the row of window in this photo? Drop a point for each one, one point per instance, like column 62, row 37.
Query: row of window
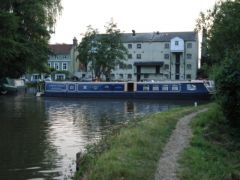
column 125, row 66
column 166, row 87
column 188, row 67
column 166, row 45
column 56, row 66
column 145, row 76
column 139, row 46
column 120, row 76
column 165, row 67
column 59, row 57
column 166, row 56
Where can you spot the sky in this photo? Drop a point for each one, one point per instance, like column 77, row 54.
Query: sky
column 140, row 15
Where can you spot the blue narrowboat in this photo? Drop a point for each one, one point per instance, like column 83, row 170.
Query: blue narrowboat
column 151, row 90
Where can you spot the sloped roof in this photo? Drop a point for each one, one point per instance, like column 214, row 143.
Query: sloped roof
column 60, row 48
column 158, row 36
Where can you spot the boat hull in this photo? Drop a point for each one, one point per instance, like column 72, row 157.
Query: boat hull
column 135, row 90
column 130, row 95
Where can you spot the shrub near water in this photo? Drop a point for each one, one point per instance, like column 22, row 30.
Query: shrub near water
column 133, row 152
column 214, row 151
column 228, row 87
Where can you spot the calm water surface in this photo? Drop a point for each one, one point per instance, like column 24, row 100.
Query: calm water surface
column 39, row 137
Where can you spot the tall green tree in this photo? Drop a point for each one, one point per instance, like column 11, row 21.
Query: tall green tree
column 103, row 51
column 87, row 48
column 227, row 80
column 111, row 51
column 25, row 27
column 222, row 26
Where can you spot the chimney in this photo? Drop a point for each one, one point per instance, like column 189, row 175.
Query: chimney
column 133, row 33
column 75, row 41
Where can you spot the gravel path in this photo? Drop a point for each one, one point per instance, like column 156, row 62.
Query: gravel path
column 180, row 138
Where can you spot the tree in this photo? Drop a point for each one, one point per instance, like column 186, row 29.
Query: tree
column 227, row 82
column 103, row 51
column 111, row 51
column 87, row 48
column 25, row 27
column 222, row 26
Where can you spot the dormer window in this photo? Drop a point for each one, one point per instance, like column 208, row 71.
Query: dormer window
column 177, row 45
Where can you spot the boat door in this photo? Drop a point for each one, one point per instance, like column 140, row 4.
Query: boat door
column 130, row 87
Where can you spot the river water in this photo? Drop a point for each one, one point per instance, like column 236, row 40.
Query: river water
column 39, row 137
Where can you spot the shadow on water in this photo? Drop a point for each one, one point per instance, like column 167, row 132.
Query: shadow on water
column 41, row 136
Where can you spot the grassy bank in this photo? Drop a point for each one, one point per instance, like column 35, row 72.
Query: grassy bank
column 133, row 151
column 215, row 149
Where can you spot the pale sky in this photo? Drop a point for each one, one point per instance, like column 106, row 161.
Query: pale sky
column 140, row 15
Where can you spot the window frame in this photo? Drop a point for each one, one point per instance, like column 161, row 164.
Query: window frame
column 189, row 45
column 129, row 56
column 66, row 66
column 189, row 56
column 139, row 56
column 56, row 66
column 166, row 56
column 166, row 46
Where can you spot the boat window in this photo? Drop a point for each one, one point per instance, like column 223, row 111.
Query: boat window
column 191, row 87
column 145, row 87
column 155, row 88
column 71, row 87
column 95, row 87
column 106, row 87
column 165, row 87
column 175, row 87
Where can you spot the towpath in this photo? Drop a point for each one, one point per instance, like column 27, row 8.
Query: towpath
column 180, row 138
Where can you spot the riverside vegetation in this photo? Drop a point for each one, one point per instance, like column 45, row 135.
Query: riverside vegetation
column 131, row 152
column 214, row 149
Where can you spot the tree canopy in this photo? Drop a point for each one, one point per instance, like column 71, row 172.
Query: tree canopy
column 25, row 28
column 103, row 51
column 221, row 27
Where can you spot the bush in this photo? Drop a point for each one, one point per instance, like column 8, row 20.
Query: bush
column 227, row 81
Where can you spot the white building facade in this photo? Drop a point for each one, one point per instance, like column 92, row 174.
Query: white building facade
column 159, row 56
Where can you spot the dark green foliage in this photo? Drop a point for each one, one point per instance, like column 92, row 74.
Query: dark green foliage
column 111, row 51
column 224, row 33
column 221, row 26
column 87, row 48
column 102, row 51
column 228, row 87
column 25, row 28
